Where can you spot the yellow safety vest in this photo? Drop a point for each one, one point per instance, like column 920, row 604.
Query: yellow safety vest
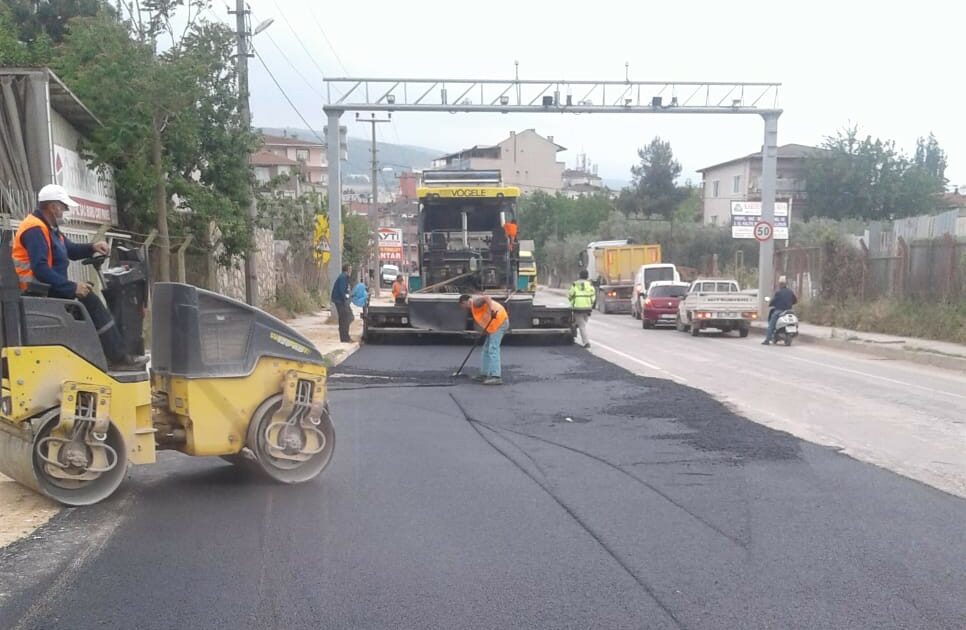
column 582, row 294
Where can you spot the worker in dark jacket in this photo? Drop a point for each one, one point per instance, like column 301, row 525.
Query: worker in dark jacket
column 42, row 254
column 340, row 300
column 783, row 300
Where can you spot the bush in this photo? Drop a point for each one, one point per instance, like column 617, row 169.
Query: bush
column 291, row 300
column 942, row 321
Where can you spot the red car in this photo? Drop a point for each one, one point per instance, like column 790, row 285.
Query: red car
column 660, row 306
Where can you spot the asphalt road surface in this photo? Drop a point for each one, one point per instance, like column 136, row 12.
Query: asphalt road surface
column 903, row 416
column 578, row 495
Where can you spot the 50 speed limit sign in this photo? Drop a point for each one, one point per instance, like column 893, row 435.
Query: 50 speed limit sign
column 763, row 231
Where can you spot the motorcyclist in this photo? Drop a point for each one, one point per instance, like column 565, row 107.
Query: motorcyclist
column 783, row 300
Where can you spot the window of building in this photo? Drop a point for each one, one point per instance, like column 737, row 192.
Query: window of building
column 736, row 184
column 302, row 155
column 714, row 219
column 714, row 188
column 261, row 174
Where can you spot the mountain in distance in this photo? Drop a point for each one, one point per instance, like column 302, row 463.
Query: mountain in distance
column 398, row 157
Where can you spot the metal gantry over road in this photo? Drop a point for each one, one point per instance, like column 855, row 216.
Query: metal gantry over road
column 531, row 96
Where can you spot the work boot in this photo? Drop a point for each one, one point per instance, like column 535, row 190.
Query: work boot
column 587, row 345
column 479, row 378
column 493, row 380
column 766, row 342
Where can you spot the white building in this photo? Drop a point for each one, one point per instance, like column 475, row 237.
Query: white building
column 526, row 159
column 740, row 180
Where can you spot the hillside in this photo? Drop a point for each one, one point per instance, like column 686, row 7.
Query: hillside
column 399, row 157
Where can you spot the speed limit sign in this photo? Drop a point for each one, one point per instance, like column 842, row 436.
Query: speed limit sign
column 763, row 231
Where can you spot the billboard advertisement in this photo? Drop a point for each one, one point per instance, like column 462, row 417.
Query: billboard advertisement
column 390, row 246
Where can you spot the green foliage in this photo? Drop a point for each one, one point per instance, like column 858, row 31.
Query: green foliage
column 357, row 240
column 293, row 300
column 38, row 25
column 542, row 216
column 943, row 321
column 870, row 179
column 187, row 92
column 15, row 51
column 653, row 190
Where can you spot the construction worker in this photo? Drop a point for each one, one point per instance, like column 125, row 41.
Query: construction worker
column 399, row 290
column 340, row 300
column 510, row 230
column 493, row 320
column 582, row 296
column 42, row 254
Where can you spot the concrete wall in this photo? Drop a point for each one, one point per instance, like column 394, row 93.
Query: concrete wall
column 231, row 282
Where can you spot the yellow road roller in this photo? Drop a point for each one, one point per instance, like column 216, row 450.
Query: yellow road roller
column 224, row 379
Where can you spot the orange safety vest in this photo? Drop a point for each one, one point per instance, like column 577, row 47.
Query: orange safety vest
column 487, row 319
column 510, row 229
column 21, row 259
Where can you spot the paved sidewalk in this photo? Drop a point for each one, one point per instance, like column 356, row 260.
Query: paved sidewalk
column 926, row 351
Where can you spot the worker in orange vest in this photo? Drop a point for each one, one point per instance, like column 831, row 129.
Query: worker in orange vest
column 41, row 254
column 494, row 321
column 399, row 290
column 510, row 230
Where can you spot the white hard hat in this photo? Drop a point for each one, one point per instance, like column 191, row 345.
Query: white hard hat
column 53, row 192
column 782, row 279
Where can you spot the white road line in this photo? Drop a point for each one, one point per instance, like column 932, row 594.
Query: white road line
column 877, row 377
column 651, row 366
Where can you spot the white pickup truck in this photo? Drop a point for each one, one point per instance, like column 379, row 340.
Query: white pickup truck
column 716, row 303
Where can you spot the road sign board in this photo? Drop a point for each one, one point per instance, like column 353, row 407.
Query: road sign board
column 746, row 214
column 763, row 231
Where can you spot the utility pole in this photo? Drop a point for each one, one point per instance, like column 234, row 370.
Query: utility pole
column 373, row 207
column 241, row 67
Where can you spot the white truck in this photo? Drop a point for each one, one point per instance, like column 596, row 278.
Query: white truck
column 716, row 303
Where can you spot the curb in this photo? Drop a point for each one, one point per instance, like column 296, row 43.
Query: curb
column 921, row 357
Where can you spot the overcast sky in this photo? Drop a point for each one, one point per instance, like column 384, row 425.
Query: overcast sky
column 896, row 72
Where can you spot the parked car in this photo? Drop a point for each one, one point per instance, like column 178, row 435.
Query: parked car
column 660, row 306
column 646, row 274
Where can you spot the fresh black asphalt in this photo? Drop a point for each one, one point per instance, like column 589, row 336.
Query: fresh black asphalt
column 575, row 496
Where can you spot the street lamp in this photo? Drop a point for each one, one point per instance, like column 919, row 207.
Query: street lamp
column 263, row 25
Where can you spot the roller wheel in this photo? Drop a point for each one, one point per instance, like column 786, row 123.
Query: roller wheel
column 286, row 470
column 79, row 492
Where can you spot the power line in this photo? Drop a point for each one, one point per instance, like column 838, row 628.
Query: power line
column 312, row 86
column 299, row 39
column 285, row 95
column 327, row 41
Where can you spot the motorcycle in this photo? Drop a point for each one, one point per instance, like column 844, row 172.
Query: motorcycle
column 786, row 328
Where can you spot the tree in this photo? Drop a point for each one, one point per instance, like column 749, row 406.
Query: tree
column 172, row 132
column 653, row 190
column 542, row 216
column 355, row 229
column 870, row 179
column 931, row 158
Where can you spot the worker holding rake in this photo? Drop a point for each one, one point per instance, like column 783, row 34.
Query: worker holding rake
column 492, row 319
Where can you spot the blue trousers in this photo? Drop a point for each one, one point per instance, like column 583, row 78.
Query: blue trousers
column 772, row 323
column 491, row 351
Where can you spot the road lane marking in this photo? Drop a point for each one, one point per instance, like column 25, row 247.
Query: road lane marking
column 879, row 378
column 650, row 366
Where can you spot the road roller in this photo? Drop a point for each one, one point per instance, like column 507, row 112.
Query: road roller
column 224, row 380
